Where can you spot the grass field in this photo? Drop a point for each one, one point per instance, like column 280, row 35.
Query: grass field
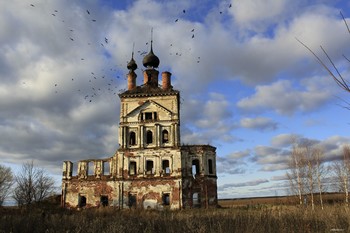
column 243, row 215
column 328, row 198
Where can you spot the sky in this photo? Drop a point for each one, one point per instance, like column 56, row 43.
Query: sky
column 248, row 87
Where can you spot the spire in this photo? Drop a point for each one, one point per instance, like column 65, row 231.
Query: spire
column 151, row 60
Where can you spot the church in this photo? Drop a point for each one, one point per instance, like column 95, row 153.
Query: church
column 150, row 169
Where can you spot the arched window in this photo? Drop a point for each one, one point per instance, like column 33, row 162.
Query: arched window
column 91, row 169
column 166, row 167
column 132, row 139
column 195, row 167
column 149, row 137
column 165, row 136
column 210, row 166
column 132, row 168
column 196, row 200
column 149, row 167
column 166, row 199
column 82, row 201
column 106, row 168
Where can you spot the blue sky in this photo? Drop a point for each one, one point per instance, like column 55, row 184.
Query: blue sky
column 248, row 86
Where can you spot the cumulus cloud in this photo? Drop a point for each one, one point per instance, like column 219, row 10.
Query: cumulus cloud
column 284, row 140
column 207, row 120
column 276, row 157
column 259, row 123
column 255, row 14
column 229, row 165
column 55, row 99
column 244, row 184
column 239, row 154
column 283, row 98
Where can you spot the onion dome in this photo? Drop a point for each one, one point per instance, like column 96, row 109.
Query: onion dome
column 132, row 64
column 151, row 60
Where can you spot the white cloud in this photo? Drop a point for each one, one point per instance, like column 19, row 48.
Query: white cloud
column 243, row 184
column 283, row 98
column 229, row 165
column 239, row 154
column 207, row 120
column 259, row 123
column 255, row 14
column 284, row 140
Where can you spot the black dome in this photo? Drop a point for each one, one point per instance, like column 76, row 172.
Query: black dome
column 151, row 60
column 132, row 64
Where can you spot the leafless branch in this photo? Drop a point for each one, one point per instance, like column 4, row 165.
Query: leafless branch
column 346, row 24
column 319, row 60
column 344, row 84
column 340, row 81
column 346, row 102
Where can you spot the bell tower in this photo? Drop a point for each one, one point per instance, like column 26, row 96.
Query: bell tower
column 149, row 114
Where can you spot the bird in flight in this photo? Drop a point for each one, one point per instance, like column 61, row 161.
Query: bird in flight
column 32, row 5
column 87, row 11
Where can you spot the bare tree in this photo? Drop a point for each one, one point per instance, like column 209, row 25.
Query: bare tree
column 310, row 173
column 315, row 172
column 296, row 173
column 306, row 172
column 6, row 181
column 341, row 169
column 321, row 172
column 32, row 185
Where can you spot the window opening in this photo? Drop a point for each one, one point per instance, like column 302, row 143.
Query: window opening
column 90, row 168
column 149, row 167
column 82, row 201
column 210, row 166
column 74, row 171
column 166, row 199
column 196, row 200
column 149, row 137
column 132, row 200
column 165, row 136
column 132, row 139
column 132, row 168
column 195, row 167
column 106, row 168
column 104, row 200
column 148, row 116
column 165, row 166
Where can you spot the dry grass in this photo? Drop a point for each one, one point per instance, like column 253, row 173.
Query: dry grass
column 328, row 198
column 260, row 218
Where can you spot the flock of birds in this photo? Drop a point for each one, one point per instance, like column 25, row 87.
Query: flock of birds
column 106, row 82
column 98, row 82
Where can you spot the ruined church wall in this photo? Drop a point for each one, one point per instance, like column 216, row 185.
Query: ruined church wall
column 199, row 179
column 141, row 157
column 151, row 193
